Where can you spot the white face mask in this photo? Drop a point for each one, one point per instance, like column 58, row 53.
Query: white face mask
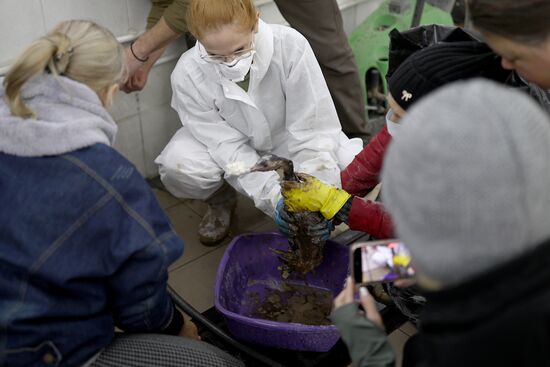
column 393, row 127
column 237, row 72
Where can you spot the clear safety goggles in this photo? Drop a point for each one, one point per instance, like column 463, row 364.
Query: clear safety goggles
column 229, row 60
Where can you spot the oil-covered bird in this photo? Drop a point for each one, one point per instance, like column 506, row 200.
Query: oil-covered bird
column 306, row 251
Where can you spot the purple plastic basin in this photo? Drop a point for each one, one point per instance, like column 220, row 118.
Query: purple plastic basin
column 247, row 262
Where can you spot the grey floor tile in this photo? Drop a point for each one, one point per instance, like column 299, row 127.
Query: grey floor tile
column 186, row 216
column 266, row 225
column 198, row 206
column 186, row 222
column 248, row 216
column 165, row 199
column 195, row 281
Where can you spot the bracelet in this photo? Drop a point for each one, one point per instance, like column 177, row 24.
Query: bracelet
column 137, row 58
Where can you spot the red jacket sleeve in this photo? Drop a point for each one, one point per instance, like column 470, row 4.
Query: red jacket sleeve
column 363, row 173
column 370, row 217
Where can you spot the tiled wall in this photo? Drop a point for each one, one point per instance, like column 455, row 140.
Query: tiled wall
column 146, row 121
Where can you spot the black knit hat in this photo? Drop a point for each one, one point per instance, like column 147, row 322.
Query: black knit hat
column 440, row 64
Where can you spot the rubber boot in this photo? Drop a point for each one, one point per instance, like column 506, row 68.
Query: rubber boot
column 215, row 224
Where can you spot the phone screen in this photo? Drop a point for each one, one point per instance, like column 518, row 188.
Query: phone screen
column 381, row 261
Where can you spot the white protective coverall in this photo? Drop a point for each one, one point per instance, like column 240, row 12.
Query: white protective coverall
column 287, row 111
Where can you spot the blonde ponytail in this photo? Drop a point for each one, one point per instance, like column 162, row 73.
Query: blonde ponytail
column 80, row 50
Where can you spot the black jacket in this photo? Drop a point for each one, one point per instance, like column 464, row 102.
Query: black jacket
column 501, row 318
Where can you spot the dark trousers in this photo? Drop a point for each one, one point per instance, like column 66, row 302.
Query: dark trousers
column 321, row 23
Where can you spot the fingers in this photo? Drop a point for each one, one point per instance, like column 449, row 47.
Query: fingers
column 369, row 305
column 281, row 213
column 128, row 86
column 284, row 221
column 134, row 83
column 350, row 290
column 140, row 78
column 283, row 226
column 284, row 215
column 135, row 76
column 319, row 232
column 189, row 330
column 346, row 295
column 279, row 208
column 324, row 226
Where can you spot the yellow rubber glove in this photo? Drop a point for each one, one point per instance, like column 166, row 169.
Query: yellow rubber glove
column 313, row 195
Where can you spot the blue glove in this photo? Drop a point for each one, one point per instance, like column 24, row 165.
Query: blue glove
column 284, row 222
column 321, row 230
column 288, row 227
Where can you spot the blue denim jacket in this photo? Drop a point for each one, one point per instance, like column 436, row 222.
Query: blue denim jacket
column 84, row 247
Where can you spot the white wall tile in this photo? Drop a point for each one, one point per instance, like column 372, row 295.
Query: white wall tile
column 348, row 16
column 271, row 14
column 159, row 124
column 364, row 9
column 21, row 22
column 129, row 142
column 111, row 14
column 146, row 121
column 124, row 106
column 137, row 14
column 158, row 90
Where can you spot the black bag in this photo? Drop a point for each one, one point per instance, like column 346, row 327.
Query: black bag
column 404, row 44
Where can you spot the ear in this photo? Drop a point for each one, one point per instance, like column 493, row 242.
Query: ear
column 108, row 94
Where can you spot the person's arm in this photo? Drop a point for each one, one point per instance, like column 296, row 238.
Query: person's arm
column 165, row 23
column 174, row 13
column 363, row 173
column 142, row 246
column 363, row 332
column 367, row 216
column 144, row 52
column 367, row 344
column 225, row 143
column 313, row 127
column 156, row 38
column 138, row 79
column 311, row 194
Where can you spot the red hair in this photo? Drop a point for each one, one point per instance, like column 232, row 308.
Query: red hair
column 207, row 15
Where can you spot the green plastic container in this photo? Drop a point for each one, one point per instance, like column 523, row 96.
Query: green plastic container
column 370, row 43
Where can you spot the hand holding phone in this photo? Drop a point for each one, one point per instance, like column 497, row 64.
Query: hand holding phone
column 380, row 261
column 347, row 296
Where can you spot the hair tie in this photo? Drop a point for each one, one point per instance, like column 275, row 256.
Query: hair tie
column 62, row 60
column 133, row 53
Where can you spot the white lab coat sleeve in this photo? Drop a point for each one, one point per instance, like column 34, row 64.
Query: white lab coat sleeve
column 311, row 119
column 225, row 144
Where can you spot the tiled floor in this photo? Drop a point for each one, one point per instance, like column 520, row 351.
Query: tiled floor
column 193, row 275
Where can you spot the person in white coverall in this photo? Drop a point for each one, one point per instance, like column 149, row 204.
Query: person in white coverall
column 247, row 89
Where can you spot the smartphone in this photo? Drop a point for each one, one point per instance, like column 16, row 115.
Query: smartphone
column 380, row 261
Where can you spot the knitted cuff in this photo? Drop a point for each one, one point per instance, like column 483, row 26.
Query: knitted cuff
column 343, row 214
